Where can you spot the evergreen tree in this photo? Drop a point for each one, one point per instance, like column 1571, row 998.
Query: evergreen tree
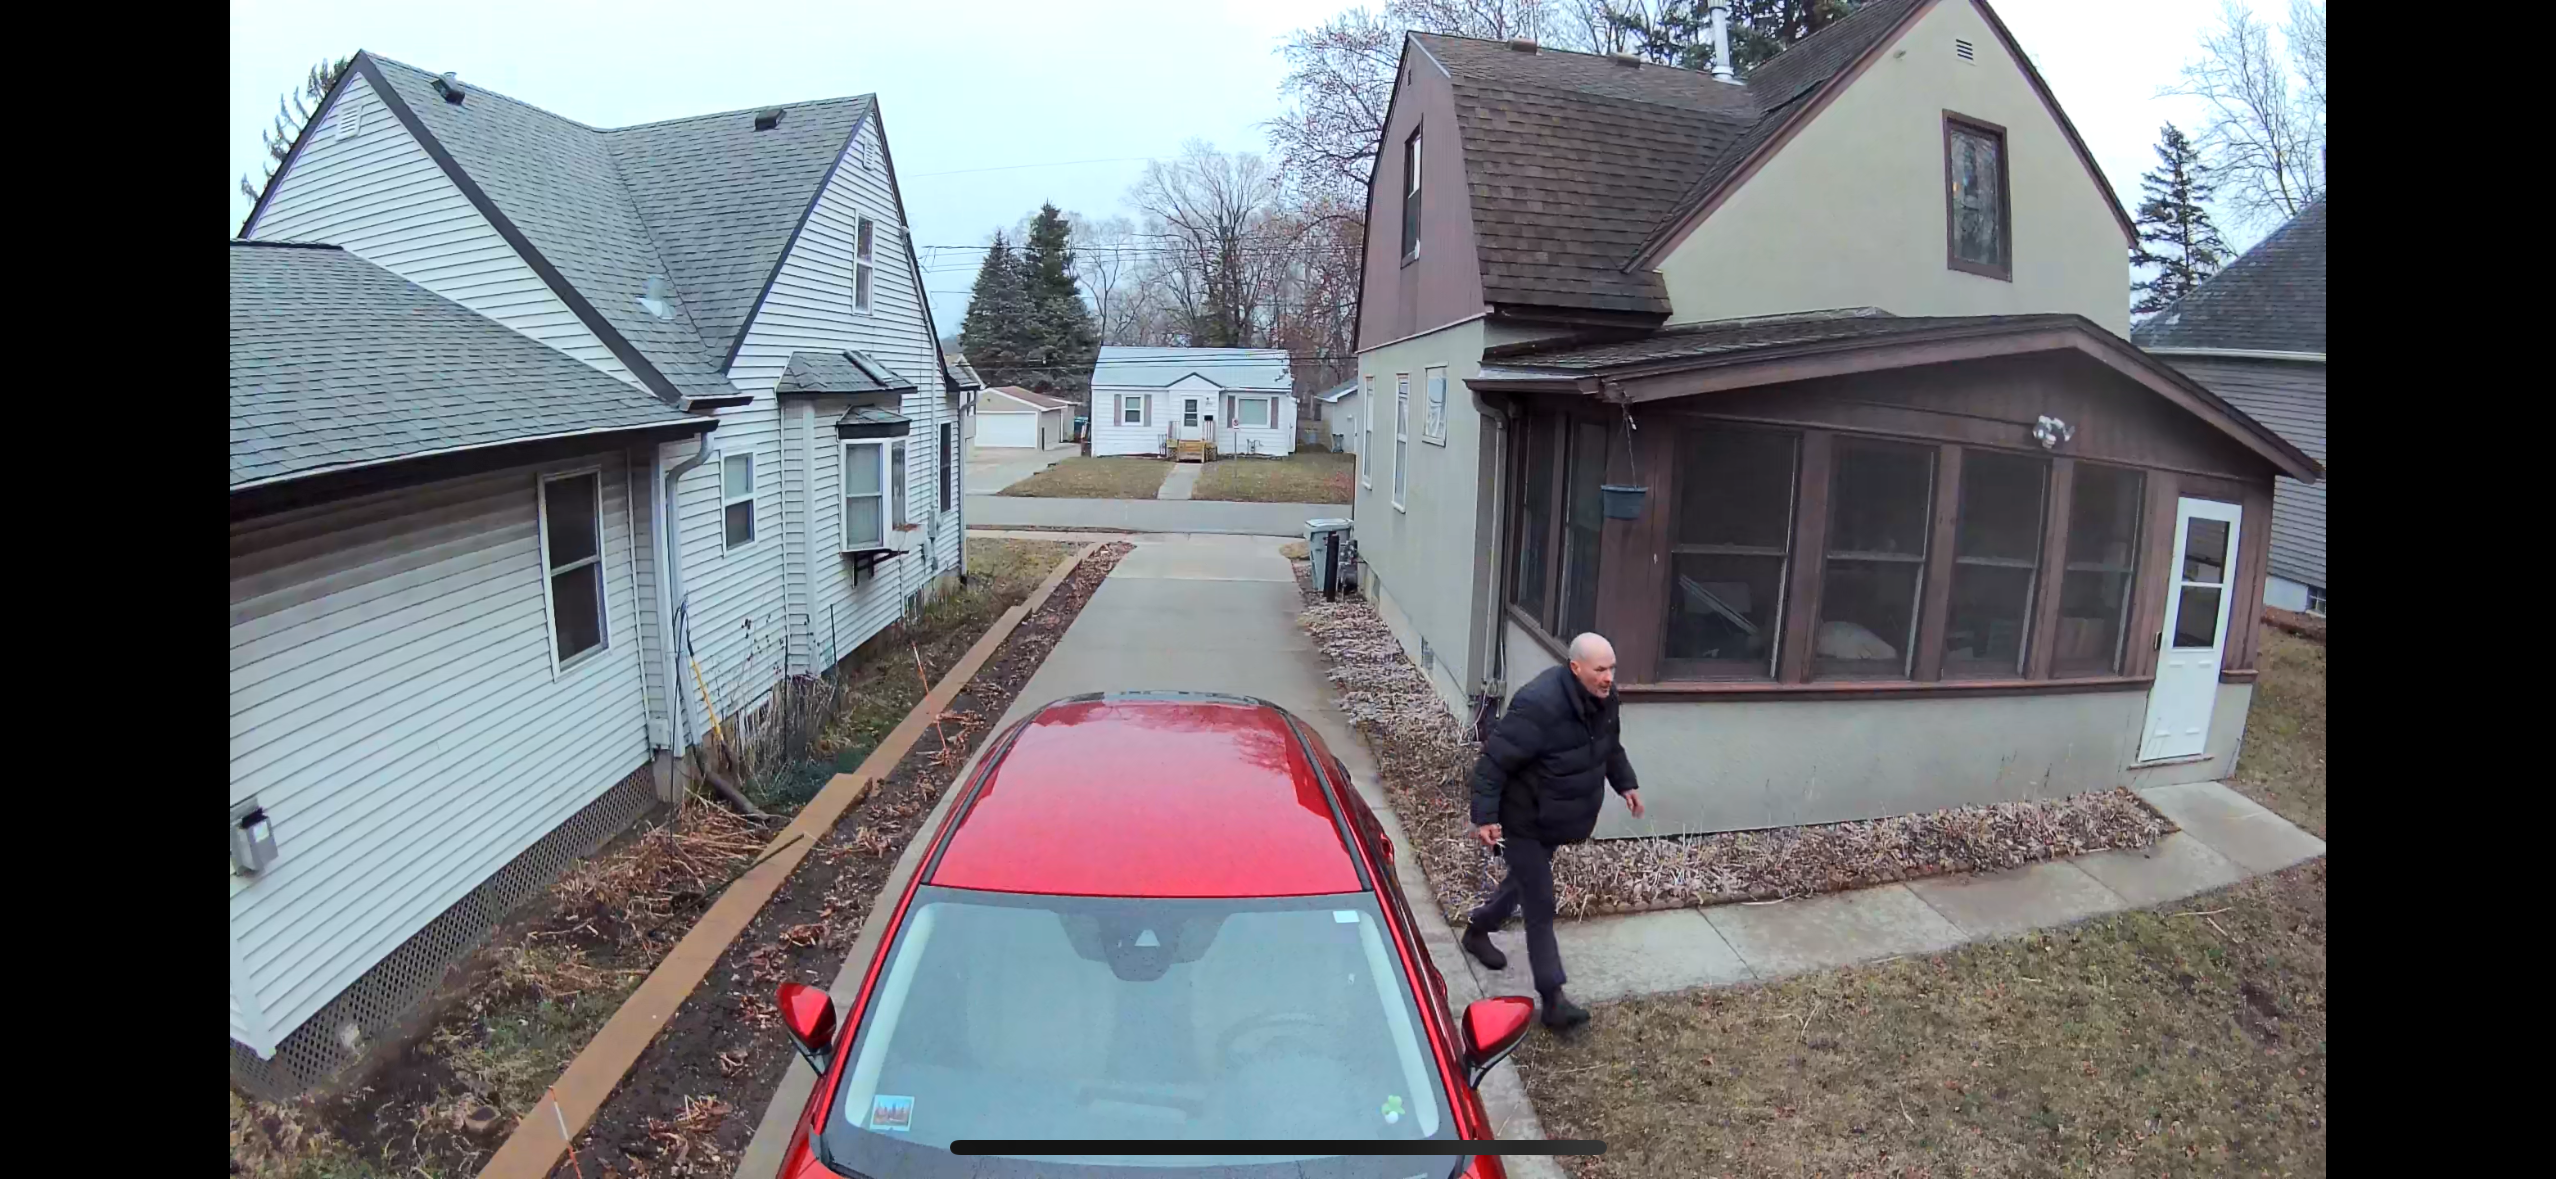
column 996, row 332
column 292, row 111
column 1681, row 33
column 1064, row 340
column 2171, row 219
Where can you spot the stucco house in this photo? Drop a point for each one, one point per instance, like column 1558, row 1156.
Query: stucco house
column 1811, row 391
column 749, row 276
column 2254, row 334
column 1195, row 403
column 1008, row 415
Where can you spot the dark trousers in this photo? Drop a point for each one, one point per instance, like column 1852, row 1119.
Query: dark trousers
column 1529, row 885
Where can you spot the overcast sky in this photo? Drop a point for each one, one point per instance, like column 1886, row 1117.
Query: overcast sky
column 995, row 105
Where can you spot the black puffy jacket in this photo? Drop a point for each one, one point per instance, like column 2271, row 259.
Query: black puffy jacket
column 1543, row 770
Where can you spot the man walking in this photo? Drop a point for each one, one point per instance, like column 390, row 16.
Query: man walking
column 1537, row 788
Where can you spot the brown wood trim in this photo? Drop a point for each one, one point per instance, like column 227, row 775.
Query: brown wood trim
column 1535, row 630
column 1640, row 596
column 2254, row 548
column 1809, row 558
column 2005, row 202
column 2042, row 650
column 2238, row 675
column 1557, row 498
column 1934, row 600
column 1623, row 556
column 1875, row 690
column 1892, row 423
column 2152, row 578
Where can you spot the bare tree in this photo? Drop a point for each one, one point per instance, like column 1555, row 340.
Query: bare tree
column 1211, row 214
column 1105, row 262
column 1583, row 24
column 2306, row 35
column 2265, row 134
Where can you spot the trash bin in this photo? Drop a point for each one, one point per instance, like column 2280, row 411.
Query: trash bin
column 1326, row 542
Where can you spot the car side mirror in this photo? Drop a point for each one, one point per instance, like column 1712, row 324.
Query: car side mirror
column 1492, row 1029
column 809, row 1014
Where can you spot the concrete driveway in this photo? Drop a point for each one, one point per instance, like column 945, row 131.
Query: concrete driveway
column 993, row 468
column 1201, row 613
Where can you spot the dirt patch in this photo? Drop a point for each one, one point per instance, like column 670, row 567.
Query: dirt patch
column 1425, row 757
column 2282, row 763
column 691, row 1102
column 1107, row 477
column 1305, row 477
column 2185, row 1039
column 512, row 1016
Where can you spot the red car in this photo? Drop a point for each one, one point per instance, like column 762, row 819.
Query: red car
column 1150, row 916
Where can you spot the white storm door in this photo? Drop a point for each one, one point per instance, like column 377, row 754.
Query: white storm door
column 1189, row 412
column 2201, row 587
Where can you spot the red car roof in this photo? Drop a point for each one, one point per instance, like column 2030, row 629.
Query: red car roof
column 1151, row 796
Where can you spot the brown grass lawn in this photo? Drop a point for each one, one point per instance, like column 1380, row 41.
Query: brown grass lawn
column 2186, row 1039
column 1115, row 477
column 1305, row 477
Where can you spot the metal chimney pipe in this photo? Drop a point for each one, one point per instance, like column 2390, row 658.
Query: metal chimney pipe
column 1721, row 13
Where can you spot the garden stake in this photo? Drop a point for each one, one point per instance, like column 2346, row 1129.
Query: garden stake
column 553, row 1094
column 926, row 677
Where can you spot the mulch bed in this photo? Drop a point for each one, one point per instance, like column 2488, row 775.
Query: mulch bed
column 1425, row 756
column 2306, row 626
column 691, row 1102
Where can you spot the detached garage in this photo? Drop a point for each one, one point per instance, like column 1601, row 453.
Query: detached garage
column 1014, row 416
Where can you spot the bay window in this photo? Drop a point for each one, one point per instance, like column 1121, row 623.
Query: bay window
column 865, row 519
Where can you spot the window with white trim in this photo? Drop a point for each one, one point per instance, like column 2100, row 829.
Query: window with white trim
column 865, row 499
column 736, row 498
column 896, row 484
column 1411, row 197
column 863, row 256
column 1252, row 412
column 1433, row 420
column 1132, row 411
column 1401, row 435
column 572, row 563
column 1367, row 435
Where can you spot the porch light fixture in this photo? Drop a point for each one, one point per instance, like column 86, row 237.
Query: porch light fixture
column 2050, row 431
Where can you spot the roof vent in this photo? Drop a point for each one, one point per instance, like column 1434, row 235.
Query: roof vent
column 1625, row 59
column 450, row 87
column 657, row 298
column 768, row 119
column 1522, row 44
column 1962, row 50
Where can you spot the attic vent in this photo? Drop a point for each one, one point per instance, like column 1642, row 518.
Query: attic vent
column 450, row 87
column 768, row 119
column 1962, row 50
column 1625, row 59
column 1522, row 44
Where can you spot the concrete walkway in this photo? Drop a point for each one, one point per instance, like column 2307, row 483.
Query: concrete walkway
column 2226, row 838
column 1181, row 478
column 1147, row 515
column 1234, row 601
column 993, row 468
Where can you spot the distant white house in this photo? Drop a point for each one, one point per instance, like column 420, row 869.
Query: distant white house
column 578, row 437
column 1008, row 415
column 1339, row 409
column 1239, row 400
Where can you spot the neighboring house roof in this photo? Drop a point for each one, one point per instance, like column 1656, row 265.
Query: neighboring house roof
column 707, row 204
column 1333, row 396
column 1035, row 401
column 339, row 364
column 2270, row 300
column 962, row 370
column 811, row 373
column 1584, row 169
column 1827, row 343
column 1231, row 368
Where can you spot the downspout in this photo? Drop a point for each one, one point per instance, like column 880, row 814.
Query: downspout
column 669, row 559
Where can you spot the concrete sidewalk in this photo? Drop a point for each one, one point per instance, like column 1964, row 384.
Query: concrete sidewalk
column 1234, row 601
column 2226, row 838
column 1148, row 515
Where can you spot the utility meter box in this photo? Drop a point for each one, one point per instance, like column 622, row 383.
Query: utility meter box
column 1327, row 542
column 252, row 838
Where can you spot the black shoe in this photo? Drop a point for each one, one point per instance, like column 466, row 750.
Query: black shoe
column 1477, row 942
column 1561, row 1014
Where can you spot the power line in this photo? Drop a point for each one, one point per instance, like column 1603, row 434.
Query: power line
column 1050, row 164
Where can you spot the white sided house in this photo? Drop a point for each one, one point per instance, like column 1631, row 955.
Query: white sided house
column 1193, row 402
column 1008, row 415
column 748, row 273
column 1340, row 409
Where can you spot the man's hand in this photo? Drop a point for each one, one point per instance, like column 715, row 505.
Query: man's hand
column 1633, row 800
column 1488, row 833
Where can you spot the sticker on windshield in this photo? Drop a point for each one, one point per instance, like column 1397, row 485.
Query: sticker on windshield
column 1393, row 1108
column 1345, row 916
column 891, row 1113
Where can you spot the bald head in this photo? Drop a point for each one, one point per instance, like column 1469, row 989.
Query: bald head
column 1593, row 663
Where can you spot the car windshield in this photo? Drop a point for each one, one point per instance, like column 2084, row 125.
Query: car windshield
column 1003, row 1015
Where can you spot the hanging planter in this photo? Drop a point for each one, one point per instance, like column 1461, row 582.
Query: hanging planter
column 1623, row 503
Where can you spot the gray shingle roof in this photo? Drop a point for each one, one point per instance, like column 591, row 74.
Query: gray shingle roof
column 1230, row 368
column 1031, row 399
column 336, row 362
column 707, row 203
column 2270, row 300
column 838, row 372
column 1732, row 337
